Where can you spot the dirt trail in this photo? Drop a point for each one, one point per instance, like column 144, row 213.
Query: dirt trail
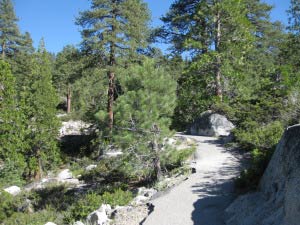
column 202, row 198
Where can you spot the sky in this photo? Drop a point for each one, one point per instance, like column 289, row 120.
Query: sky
column 54, row 20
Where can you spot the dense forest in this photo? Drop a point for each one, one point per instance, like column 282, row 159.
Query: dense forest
column 225, row 55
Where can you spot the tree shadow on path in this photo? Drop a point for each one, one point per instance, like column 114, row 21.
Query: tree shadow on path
column 209, row 209
column 215, row 195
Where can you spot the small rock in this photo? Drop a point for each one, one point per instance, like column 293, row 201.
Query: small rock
column 105, row 208
column 61, row 115
column 13, row 190
column 26, row 207
column 73, row 181
column 171, row 141
column 113, row 154
column 44, row 180
column 50, row 223
column 78, row 223
column 146, row 192
column 128, row 215
column 90, row 167
column 98, row 218
column 139, row 200
column 65, row 174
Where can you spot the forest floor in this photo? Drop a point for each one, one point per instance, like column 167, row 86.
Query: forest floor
column 203, row 197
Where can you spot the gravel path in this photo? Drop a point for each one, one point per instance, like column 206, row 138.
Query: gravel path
column 202, row 198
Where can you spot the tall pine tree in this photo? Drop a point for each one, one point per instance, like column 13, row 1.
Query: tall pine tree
column 116, row 28
column 217, row 35
column 39, row 105
column 12, row 132
column 294, row 17
column 9, row 31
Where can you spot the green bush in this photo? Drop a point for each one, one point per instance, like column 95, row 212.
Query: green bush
column 10, row 175
column 118, row 197
column 115, row 172
column 262, row 142
column 58, row 197
column 6, row 205
column 37, row 218
column 251, row 135
column 83, row 207
column 10, row 204
column 172, row 159
column 78, row 167
column 249, row 178
column 92, row 201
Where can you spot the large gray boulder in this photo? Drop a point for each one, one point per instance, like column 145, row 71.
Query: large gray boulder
column 211, row 124
column 278, row 199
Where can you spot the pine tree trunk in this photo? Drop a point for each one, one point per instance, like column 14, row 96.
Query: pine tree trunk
column 219, row 92
column 155, row 149
column 111, row 81
column 156, row 163
column 3, row 50
column 111, row 93
column 69, row 100
column 39, row 173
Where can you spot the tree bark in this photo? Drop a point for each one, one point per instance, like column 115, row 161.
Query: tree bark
column 111, row 93
column 3, row 50
column 156, row 150
column 219, row 91
column 39, row 173
column 69, row 96
column 111, row 79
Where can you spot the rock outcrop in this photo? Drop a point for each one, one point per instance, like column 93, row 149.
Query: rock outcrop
column 278, row 199
column 211, row 124
column 64, row 177
column 75, row 128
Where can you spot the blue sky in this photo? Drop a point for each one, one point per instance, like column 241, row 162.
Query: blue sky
column 54, row 20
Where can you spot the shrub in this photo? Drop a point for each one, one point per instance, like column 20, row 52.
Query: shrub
column 172, row 159
column 83, row 207
column 58, row 197
column 92, row 201
column 249, row 178
column 118, row 197
column 262, row 137
column 10, row 204
column 262, row 141
column 10, row 175
column 6, row 205
column 37, row 218
column 115, row 172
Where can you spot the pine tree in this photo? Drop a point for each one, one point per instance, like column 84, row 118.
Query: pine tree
column 116, row 28
column 9, row 31
column 217, row 35
column 214, row 32
column 68, row 68
column 294, row 17
column 12, row 132
column 39, row 101
column 21, row 62
column 143, row 115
